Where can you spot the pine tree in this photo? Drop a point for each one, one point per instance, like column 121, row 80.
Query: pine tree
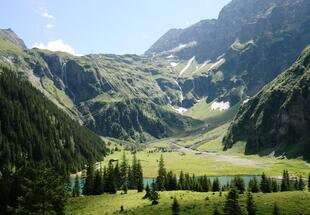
column 98, row 183
column 175, row 207
column 123, row 174
column 285, row 184
column 88, row 188
column 154, row 196
column 250, row 205
column 265, row 185
column 117, row 176
column 135, row 171
column 276, row 210
column 131, row 179
column 181, row 185
column 232, row 206
column 147, row 192
column 216, row 185
column 238, row 182
column 253, row 185
column 301, row 183
column 274, row 185
column 140, row 185
column 111, row 186
column 76, row 187
column 43, row 192
column 162, row 173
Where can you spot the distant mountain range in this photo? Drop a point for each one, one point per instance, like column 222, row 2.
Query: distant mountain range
column 138, row 98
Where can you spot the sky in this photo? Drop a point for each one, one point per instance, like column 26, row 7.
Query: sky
column 101, row 26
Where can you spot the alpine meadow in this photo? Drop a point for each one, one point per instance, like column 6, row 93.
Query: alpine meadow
column 212, row 117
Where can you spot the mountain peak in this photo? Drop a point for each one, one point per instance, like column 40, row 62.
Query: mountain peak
column 9, row 35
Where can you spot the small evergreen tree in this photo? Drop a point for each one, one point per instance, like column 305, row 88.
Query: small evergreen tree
column 301, row 183
column 162, row 174
column 265, row 185
column 140, row 185
column 285, row 184
column 89, row 180
column 110, row 183
column 76, row 187
column 253, row 185
column 216, row 185
column 147, row 192
column 123, row 174
column 239, row 184
column 98, row 183
column 154, row 196
column 250, row 205
column 175, row 207
column 232, row 206
column 276, row 210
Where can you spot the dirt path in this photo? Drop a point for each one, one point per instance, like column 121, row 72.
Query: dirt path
column 227, row 158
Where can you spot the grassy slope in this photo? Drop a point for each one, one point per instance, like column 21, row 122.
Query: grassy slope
column 190, row 202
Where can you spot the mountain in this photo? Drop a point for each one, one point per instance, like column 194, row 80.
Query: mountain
column 32, row 128
column 250, row 43
column 127, row 97
column 277, row 119
column 9, row 35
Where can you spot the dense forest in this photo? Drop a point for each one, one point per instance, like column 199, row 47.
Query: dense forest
column 34, row 129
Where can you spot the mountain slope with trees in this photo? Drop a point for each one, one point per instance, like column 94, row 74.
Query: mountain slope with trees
column 277, row 118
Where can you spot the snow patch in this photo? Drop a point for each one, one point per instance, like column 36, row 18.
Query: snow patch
column 216, row 64
column 189, row 63
column 174, row 64
column 183, row 46
column 180, row 110
column 245, row 101
column 170, row 56
column 220, row 105
column 221, row 56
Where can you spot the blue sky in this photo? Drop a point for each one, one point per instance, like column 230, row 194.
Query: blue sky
column 102, row 26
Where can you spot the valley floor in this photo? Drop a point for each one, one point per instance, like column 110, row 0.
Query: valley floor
column 297, row 202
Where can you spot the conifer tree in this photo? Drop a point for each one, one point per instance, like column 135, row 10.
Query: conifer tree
column 147, row 192
column 110, row 183
column 250, row 204
column 154, row 196
column 88, row 188
column 98, row 186
column 117, row 176
column 131, row 179
column 232, row 206
column 175, row 207
column 301, row 183
column 274, row 185
column 135, row 171
column 140, row 185
column 181, row 185
column 216, row 185
column 285, row 184
column 238, row 182
column 276, row 210
column 76, row 187
column 253, row 185
column 123, row 174
column 265, row 185
column 162, row 174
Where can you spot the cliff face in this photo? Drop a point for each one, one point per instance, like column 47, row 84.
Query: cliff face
column 278, row 117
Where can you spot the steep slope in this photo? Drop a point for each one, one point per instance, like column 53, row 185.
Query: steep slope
column 33, row 129
column 119, row 96
column 278, row 117
column 250, row 43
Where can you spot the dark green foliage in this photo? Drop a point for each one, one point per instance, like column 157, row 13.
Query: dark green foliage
column 42, row 191
column 285, row 184
column 265, row 184
column 162, row 174
column 267, row 122
column 32, row 128
column 110, row 183
column 276, row 210
column 253, row 185
column 147, row 192
column 216, row 185
column 216, row 211
column 98, row 183
column 309, row 182
column 76, row 187
column 88, row 188
column 250, row 205
column 140, row 185
column 123, row 174
column 154, row 196
column 274, row 186
column 232, row 206
column 175, row 207
column 238, row 183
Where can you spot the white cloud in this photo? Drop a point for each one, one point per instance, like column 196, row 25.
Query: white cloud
column 47, row 15
column 56, row 45
column 49, row 25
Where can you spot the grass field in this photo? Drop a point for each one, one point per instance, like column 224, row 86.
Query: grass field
column 290, row 203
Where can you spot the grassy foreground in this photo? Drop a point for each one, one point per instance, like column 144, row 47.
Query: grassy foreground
column 296, row 202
